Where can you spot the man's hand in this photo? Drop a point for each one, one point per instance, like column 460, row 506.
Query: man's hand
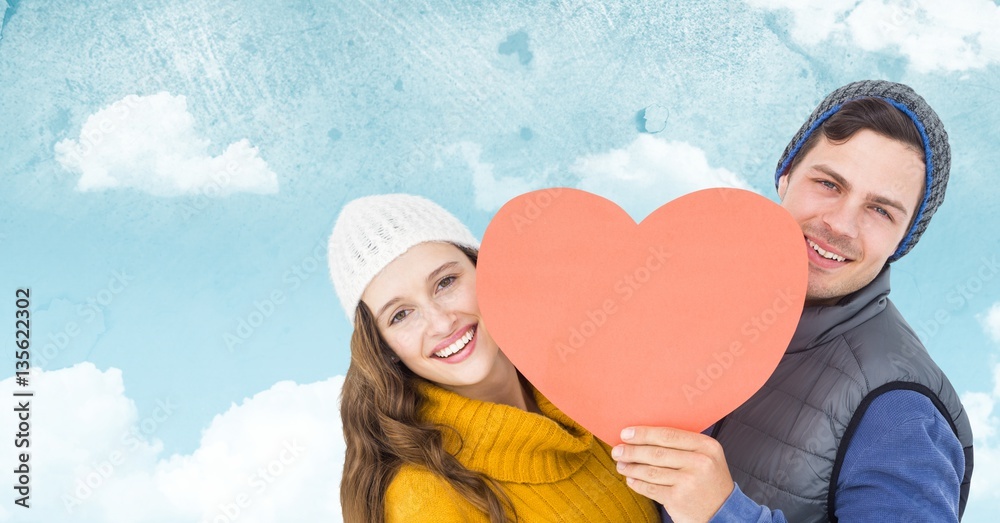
column 685, row 471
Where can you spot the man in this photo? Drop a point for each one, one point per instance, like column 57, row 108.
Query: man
column 857, row 422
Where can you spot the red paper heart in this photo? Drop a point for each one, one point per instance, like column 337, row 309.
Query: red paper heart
column 672, row 322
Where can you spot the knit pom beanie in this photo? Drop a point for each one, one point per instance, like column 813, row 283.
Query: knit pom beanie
column 937, row 153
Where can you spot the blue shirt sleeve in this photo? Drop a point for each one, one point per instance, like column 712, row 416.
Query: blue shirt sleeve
column 904, row 463
column 738, row 508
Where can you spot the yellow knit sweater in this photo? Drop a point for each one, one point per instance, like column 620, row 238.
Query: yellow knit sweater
column 552, row 469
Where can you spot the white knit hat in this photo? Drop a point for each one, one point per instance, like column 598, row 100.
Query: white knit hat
column 374, row 230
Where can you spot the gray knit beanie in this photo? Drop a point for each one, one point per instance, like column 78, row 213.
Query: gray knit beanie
column 937, row 153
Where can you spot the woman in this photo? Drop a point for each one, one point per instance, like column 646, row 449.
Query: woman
column 439, row 425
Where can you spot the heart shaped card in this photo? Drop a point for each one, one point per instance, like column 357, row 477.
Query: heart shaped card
column 674, row 321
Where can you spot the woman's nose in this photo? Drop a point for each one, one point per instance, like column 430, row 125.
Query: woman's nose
column 440, row 320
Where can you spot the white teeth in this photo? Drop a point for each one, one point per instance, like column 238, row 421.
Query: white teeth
column 825, row 254
column 457, row 346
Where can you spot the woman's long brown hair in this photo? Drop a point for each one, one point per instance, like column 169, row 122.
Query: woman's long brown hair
column 379, row 408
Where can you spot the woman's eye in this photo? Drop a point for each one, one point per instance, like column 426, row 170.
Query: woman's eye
column 446, row 282
column 398, row 317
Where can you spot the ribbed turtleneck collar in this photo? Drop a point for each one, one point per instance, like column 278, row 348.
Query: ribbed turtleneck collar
column 535, row 448
column 821, row 323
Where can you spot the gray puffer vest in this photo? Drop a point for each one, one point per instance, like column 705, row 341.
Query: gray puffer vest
column 785, row 445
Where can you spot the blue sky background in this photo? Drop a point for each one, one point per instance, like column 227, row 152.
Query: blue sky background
column 171, row 171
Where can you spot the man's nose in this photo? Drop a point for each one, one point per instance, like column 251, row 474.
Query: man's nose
column 843, row 219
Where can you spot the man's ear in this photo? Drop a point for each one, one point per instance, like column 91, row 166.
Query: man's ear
column 782, row 185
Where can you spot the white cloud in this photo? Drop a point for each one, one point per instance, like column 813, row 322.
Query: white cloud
column 491, row 192
column 984, row 414
column 946, row 35
column 991, row 322
column 639, row 177
column 149, row 143
column 813, row 21
column 276, row 457
column 649, row 172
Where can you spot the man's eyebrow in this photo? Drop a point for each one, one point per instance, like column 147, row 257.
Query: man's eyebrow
column 827, row 170
column 882, row 200
column 433, row 275
column 872, row 197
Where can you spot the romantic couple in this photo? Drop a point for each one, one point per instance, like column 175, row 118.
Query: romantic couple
column 857, row 423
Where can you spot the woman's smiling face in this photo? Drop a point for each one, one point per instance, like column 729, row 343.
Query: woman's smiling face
column 424, row 303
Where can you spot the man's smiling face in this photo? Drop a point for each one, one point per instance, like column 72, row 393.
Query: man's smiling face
column 854, row 200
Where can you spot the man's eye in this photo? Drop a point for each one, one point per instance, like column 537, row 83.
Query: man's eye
column 883, row 212
column 828, row 185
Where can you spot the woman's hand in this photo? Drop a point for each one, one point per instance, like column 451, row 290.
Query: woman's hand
column 685, row 471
